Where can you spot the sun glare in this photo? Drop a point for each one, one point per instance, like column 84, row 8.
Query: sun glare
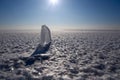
column 53, row 2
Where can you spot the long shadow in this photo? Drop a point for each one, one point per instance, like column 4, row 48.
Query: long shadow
column 41, row 49
column 36, row 55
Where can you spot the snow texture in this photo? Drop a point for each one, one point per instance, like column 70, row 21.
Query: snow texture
column 80, row 55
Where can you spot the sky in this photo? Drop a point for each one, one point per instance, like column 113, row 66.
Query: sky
column 69, row 14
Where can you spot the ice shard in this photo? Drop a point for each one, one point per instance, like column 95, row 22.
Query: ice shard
column 45, row 41
column 45, row 35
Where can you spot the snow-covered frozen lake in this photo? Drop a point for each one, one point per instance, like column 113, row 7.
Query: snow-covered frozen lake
column 80, row 55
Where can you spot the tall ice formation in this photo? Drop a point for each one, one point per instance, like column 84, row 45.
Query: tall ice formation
column 45, row 41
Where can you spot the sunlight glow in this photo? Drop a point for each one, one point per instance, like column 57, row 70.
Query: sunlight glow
column 54, row 2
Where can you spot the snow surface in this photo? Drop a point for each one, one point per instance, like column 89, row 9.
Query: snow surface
column 92, row 55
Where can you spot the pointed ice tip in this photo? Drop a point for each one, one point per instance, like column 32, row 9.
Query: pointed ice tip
column 44, row 26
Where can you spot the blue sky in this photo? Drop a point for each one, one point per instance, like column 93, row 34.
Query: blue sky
column 81, row 14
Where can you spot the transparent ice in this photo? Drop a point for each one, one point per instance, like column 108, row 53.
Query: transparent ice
column 45, row 41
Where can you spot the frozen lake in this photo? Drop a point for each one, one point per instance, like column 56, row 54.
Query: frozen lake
column 80, row 55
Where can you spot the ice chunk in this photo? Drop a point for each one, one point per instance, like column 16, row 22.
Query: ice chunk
column 45, row 41
column 45, row 35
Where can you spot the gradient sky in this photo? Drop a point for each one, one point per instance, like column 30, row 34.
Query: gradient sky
column 81, row 14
